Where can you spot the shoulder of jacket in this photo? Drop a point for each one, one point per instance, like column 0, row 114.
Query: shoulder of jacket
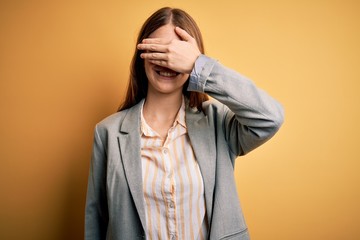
column 213, row 106
column 113, row 120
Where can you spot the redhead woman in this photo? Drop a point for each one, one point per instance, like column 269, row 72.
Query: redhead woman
column 162, row 166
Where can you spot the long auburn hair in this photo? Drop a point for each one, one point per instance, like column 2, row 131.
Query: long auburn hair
column 138, row 82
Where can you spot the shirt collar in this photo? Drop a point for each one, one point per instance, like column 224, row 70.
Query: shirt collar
column 180, row 118
column 144, row 128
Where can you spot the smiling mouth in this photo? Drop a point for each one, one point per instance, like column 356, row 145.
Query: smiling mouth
column 165, row 72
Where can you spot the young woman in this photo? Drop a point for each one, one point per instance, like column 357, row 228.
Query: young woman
column 162, row 167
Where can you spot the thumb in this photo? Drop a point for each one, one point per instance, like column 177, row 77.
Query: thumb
column 183, row 34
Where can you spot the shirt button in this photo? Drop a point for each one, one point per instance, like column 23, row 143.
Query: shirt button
column 165, row 151
column 172, row 236
column 171, row 205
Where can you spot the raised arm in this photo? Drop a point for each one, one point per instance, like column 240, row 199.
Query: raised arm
column 250, row 115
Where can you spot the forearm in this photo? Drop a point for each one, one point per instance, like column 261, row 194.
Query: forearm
column 258, row 116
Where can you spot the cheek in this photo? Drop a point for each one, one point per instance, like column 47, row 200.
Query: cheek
column 184, row 78
column 147, row 67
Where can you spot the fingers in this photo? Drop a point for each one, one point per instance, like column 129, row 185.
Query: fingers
column 159, row 59
column 159, row 62
column 152, row 47
column 155, row 41
column 154, row 56
column 184, row 35
column 176, row 53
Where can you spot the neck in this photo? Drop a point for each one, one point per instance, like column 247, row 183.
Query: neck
column 162, row 107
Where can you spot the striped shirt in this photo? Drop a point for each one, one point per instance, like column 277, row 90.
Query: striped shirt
column 173, row 184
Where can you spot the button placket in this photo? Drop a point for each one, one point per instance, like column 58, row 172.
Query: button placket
column 165, row 151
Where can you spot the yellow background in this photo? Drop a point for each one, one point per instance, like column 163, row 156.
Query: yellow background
column 64, row 66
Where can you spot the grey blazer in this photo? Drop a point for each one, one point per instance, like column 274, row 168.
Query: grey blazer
column 239, row 118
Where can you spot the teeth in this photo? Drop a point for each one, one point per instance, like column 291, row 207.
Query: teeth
column 167, row 74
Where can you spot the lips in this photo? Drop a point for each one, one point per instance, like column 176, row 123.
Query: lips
column 165, row 72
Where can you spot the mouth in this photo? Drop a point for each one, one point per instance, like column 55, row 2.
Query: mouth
column 166, row 72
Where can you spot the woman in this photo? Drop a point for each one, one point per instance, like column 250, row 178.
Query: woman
column 162, row 167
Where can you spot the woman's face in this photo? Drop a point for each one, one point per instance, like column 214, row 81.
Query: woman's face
column 161, row 79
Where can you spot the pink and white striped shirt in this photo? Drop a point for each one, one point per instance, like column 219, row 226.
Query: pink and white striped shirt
column 172, row 184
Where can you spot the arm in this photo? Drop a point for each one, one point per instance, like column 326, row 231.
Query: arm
column 96, row 211
column 250, row 116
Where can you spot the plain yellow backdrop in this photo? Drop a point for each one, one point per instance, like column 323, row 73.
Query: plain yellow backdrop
column 64, row 66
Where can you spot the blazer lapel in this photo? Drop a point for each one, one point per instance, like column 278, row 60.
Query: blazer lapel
column 129, row 143
column 202, row 140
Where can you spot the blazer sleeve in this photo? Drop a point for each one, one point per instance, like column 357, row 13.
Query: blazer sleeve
column 96, row 211
column 250, row 116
